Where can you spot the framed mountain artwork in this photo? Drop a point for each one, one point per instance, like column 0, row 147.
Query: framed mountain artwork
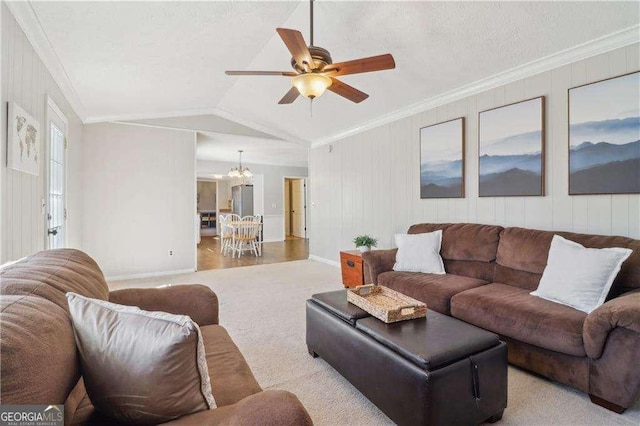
column 442, row 160
column 604, row 137
column 511, row 150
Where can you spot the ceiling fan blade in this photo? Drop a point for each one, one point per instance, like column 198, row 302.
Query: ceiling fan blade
column 357, row 66
column 295, row 43
column 291, row 96
column 346, row 91
column 285, row 73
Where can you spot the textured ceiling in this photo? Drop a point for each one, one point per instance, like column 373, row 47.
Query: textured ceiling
column 256, row 150
column 158, row 58
column 205, row 123
column 150, row 57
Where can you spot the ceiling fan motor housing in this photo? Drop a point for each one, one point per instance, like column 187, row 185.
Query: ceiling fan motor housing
column 320, row 56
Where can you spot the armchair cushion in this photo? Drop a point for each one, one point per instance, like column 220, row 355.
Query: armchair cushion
column 233, row 380
column 197, row 301
column 623, row 311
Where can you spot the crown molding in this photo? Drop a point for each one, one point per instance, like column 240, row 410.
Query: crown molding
column 197, row 111
column 582, row 51
column 28, row 20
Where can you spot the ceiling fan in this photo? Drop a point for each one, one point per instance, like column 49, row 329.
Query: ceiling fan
column 315, row 71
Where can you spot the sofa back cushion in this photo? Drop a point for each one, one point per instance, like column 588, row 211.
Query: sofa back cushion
column 522, row 257
column 40, row 363
column 467, row 249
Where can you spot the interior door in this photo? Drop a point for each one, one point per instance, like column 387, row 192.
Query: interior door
column 56, row 177
column 298, row 208
column 287, row 207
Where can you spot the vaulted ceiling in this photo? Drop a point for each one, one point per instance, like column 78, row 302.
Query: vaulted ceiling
column 147, row 60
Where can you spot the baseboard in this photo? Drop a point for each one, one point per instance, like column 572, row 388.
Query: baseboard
column 149, row 275
column 323, row 260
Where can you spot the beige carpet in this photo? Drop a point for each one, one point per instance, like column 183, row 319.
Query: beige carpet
column 262, row 307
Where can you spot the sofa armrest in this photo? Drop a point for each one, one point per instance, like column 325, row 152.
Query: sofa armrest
column 197, row 301
column 379, row 261
column 623, row 311
column 272, row 407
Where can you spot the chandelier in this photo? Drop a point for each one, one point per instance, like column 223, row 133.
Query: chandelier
column 239, row 172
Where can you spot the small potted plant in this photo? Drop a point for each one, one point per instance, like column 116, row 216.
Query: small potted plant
column 365, row 242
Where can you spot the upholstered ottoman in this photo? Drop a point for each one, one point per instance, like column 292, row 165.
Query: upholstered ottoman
column 435, row 370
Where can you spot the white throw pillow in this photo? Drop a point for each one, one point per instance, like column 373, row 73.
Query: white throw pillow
column 419, row 253
column 577, row 276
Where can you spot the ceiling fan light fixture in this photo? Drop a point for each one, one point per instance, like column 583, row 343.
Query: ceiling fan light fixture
column 311, row 85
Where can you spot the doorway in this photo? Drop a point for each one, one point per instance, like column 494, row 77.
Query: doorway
column 56, row 164
column 295, row 208
column 207, row 204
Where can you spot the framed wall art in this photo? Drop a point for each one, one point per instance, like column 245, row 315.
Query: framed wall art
column 442, row 160
column 604, row 137
column 511, row 150
column 23, row 141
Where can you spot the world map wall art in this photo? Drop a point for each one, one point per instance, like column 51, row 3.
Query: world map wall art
column 511, row 149
column 23, row 141
column 604, row 137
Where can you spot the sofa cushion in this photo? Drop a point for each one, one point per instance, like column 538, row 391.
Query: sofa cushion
column 471, row 268
column 434, row 290
column 526, row 250
column 464, row 241
column 513, row 312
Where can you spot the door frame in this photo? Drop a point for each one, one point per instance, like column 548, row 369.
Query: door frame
column 50, row 103
column 306, row 202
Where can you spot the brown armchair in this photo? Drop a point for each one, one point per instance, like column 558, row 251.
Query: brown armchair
column 40, row 363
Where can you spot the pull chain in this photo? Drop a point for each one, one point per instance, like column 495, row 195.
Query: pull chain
column 311, row 107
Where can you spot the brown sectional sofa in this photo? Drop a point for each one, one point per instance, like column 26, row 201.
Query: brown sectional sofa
column 40, row 363
column 491, row 271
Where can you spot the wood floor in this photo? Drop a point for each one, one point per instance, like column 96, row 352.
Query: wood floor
column 209, row 256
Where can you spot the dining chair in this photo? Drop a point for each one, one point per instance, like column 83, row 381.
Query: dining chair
column 245, row 236
column 227, row 232
column 260, row 237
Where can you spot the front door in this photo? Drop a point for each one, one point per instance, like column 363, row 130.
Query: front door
column 298, row 208
column 56, row 176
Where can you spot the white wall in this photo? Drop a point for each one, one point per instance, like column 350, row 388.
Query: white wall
column 27, row 81
column 369, row 183
column 273, row 196
column 140, row 199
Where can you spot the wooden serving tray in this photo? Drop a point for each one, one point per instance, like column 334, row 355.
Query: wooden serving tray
column 385, row 304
